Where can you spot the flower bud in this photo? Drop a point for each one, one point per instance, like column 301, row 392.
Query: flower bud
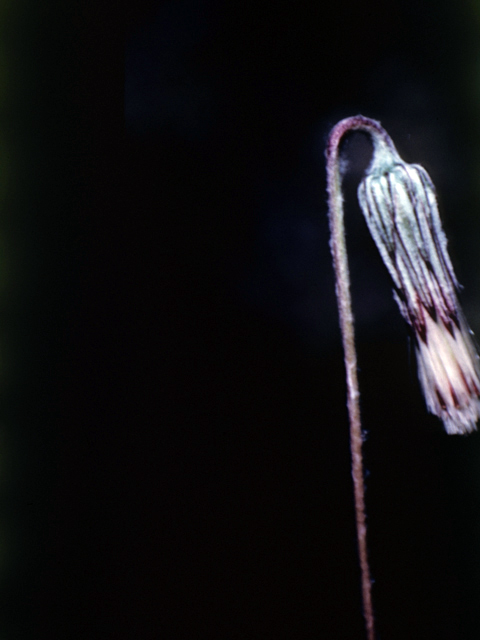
column 399, row 204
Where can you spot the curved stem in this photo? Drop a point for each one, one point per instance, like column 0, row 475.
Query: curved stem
column 338, row 247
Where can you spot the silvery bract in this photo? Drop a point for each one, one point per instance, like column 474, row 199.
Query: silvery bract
column 399, row 204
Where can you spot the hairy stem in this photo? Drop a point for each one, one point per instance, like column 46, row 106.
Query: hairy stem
column 340, row 262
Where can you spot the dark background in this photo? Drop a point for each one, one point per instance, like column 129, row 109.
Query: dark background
column 174, row 435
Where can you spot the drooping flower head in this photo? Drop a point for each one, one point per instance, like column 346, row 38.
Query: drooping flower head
column 399, row 204
column 400, row 207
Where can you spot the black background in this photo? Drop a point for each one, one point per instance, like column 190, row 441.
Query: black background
column 174, row 427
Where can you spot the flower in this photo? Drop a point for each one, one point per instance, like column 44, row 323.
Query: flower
column 400, row 207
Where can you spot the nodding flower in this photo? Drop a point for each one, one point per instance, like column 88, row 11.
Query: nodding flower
column 400, row 207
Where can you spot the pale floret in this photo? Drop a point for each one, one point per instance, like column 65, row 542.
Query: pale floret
column 448, row 373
